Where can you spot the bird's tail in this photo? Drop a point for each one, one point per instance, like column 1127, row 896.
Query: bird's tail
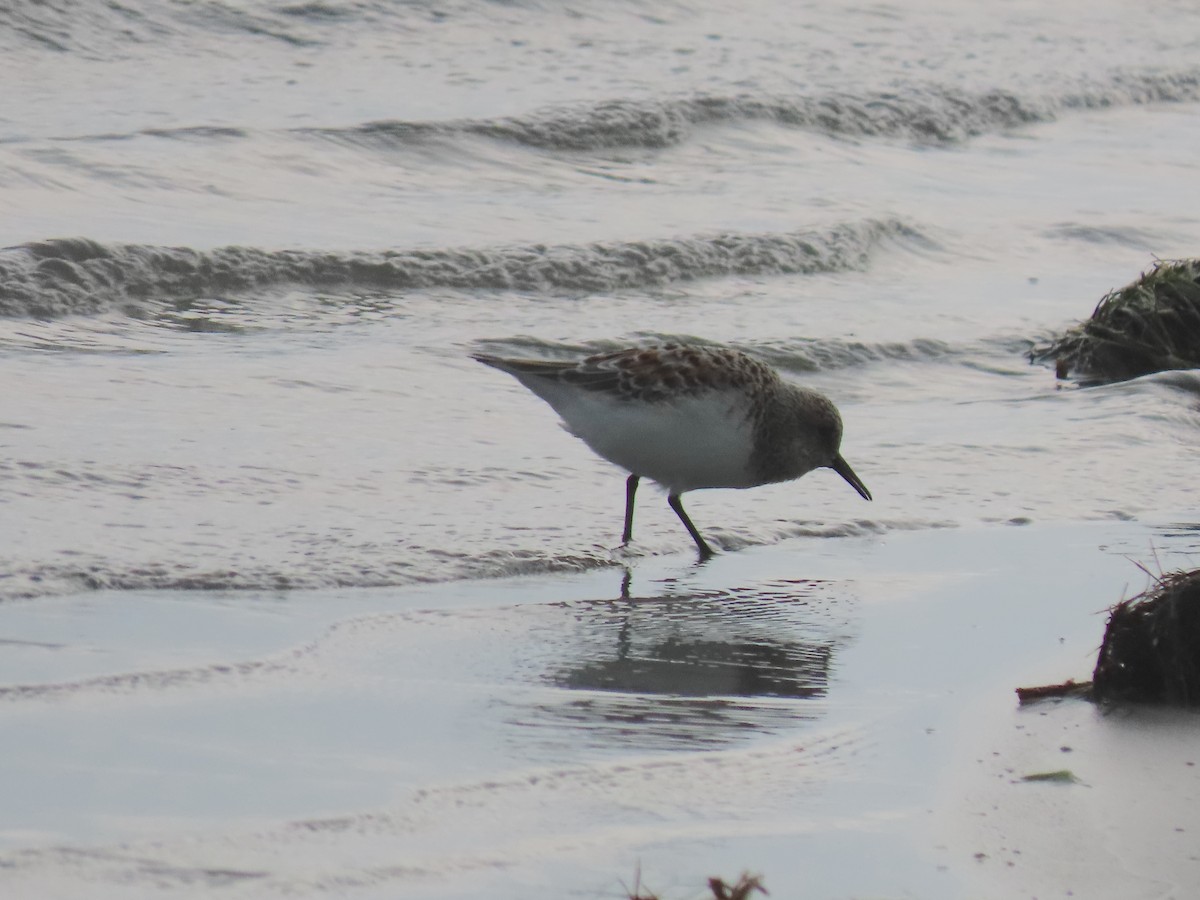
column 544, row 367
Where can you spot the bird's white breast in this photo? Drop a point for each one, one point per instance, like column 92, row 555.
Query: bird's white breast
column 700, row 441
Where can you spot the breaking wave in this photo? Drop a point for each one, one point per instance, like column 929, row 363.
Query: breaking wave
column 77, row 276
column 443, row 565
column 922, row 113
column 926, row 113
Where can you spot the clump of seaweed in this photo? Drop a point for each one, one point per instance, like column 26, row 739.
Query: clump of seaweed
column 1151, row 649
column 1151, row 325
column 742, row 889
column 746, row 885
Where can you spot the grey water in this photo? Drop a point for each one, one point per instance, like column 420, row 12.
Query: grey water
column 248, row 248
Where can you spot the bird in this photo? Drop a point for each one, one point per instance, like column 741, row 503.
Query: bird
column 688, row 417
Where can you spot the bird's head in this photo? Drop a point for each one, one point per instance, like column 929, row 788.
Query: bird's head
column 814, row 439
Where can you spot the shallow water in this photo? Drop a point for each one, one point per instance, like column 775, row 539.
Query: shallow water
column 256, row 497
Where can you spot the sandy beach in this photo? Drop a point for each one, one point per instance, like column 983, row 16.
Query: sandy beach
column 835, row 715
column 1125, row 826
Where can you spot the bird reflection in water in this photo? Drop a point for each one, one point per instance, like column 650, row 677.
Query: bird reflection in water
column 691, row 666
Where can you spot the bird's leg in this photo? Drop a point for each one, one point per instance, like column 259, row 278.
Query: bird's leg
column 677, row 505
column 631, row 484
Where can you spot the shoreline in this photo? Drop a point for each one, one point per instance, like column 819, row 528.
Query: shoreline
column 838, row 717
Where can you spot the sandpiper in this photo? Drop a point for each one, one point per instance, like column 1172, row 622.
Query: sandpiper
column 689, row 417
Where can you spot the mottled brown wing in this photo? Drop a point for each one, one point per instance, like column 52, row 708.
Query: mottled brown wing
column 649, row 374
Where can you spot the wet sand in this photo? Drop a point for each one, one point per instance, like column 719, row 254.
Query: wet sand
column 1124, row 826
column 837, row 715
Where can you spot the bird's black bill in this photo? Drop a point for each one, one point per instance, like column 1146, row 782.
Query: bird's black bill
column 843, row 468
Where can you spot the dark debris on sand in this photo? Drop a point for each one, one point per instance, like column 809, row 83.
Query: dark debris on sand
column 1150, row 653
column 742, row 889
column 1151, row 649
column 1151, row 325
